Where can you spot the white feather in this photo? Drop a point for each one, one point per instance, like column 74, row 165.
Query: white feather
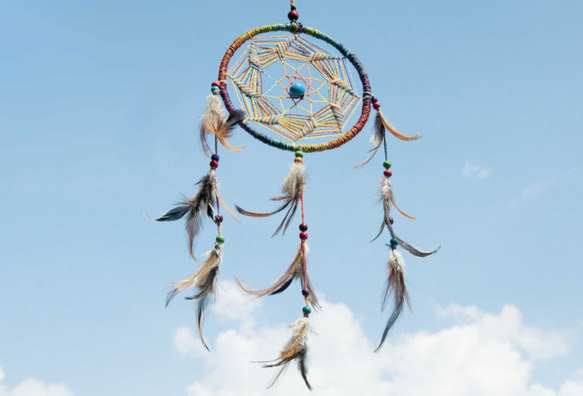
column 214, row 113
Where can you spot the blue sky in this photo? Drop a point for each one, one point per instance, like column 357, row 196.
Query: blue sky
column 99, row 107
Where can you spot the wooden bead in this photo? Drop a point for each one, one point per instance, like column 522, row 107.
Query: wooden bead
column 293, row 15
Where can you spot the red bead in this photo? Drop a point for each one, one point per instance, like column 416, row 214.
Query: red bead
column 303, row 227
column 216, row 84
column 214, row 164
column 293, row 15
column 387, row 173
column 376, row 105
column 303, row 236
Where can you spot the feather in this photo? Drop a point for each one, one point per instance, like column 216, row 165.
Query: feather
column 294, row 271
column 413, row 250
column 204, row 280
column 393, row 130
column 292, row 188
column 377, row 139
column 396, row 284
column 295, row 349
column 233, row 215
column 202, row 202
column 215, row 121
column 387, row 199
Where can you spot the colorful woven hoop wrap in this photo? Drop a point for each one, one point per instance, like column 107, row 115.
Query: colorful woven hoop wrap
column 296, row 29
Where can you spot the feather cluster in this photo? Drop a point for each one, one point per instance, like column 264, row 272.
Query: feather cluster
column 294, row 271
column 396, row 285
column 387, row 199
column 204, row 280
column 215, row 121
column 296, row 349
column 381, row 125
column 292, row 189
column 196, row 207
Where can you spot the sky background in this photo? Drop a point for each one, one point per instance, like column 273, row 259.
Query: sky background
column 100, row 103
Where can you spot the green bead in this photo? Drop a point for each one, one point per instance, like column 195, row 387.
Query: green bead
column 307, row 310
column 220, row 239
column 387, row 164
column 394, row 242
column 299, row 153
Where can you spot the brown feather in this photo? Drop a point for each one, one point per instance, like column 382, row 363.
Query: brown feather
column 214, row 122
column 295, row 349
column 293, row 272
column 394, row 131
column 378, row 139
column 233, row 215
column 201, row 202
column 396, row 284
column 204, row 280
column 293, row 187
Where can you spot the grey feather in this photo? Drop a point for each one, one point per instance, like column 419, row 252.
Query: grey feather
column 413, row 250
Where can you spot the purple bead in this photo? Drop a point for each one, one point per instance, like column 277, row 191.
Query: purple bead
column 215, row 157
column 219, row 218
column 303, row 227
column 374, row 99
column 305, row 292
column 391, row 220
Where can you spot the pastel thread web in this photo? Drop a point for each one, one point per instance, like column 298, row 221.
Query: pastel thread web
column 330, row 99
column 325, row 110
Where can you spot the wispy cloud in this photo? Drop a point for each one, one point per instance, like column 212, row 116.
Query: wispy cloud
column 476, row 172
column 542, row 186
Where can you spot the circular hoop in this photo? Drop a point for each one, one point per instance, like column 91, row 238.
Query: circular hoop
column 297, row 28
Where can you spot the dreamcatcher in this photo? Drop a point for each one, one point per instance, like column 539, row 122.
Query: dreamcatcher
column 299, row 96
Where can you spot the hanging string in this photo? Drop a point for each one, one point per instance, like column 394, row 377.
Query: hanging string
column 218, row 217
column 304, row 264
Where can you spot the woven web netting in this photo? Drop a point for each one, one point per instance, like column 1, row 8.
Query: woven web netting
column 267, row 71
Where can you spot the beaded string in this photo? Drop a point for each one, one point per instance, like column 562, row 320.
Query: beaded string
column 387, row 173
column 214, row 164
column 303, row 237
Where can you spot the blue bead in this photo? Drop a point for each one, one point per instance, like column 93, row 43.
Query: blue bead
column 307, row 310
column 394, row 243
column 297, row 90
column 215, row 90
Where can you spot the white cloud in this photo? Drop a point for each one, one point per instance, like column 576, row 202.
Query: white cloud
column 33, row 387
column 481, row 354
column 476, row 172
